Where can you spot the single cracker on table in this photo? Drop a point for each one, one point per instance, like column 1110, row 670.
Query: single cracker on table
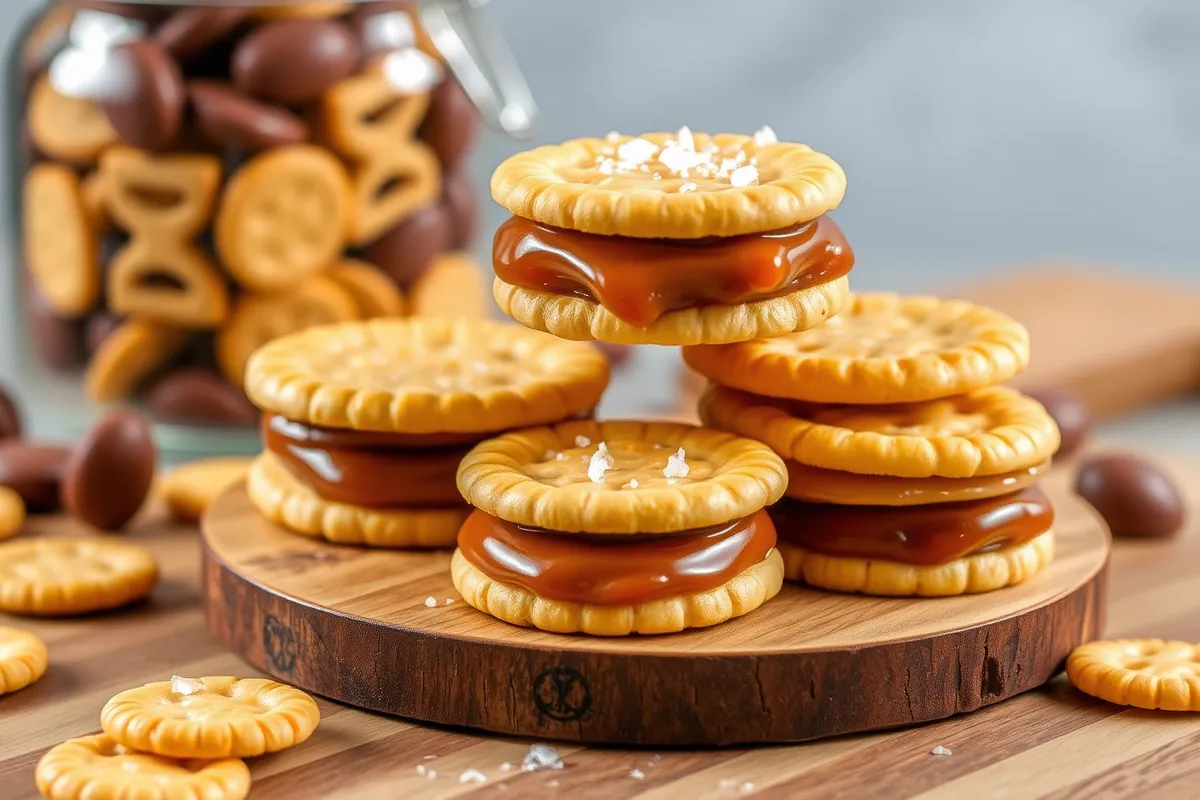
column 881, row 348
column 1144, row 673
column 979, row 572
column 375, row 294
column 67, row 128
column 286, row 501
column 986, row 432
column 452, row 286
column 518, row 606
column 129, row 355
column 213, row 717
column 425, row 375
column 12, row 513
column 190, row 488
column 62, row 577
column 657, row 477
column 282, row 216
column 61, row 249
column 23, row 659
column 96, row 767
column 573, row 185
column 259, row 318
column 582, row 319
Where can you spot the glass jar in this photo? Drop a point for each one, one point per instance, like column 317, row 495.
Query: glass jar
column 197, row 178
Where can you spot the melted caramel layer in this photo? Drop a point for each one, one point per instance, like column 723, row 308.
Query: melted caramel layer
column 614, row 571
column 921, row 535
column 639, row 280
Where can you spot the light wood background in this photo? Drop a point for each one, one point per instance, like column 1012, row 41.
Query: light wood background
column 1053, row 742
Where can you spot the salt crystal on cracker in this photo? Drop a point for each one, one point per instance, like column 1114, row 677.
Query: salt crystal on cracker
column 600, row 463
column 185, row 686
column 677, row 466
column 744, row 176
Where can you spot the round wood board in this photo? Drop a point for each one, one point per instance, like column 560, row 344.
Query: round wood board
column 353, row 625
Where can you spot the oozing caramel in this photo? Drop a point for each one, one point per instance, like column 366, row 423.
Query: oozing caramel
column 371, row 470
column 639, row 280
column 614, row 570
column 921, row 535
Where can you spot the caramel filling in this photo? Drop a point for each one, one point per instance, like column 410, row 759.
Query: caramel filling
column 922, row 535
column 368, row 469
column 614, row 570
column 817, row 485
column 639, row 280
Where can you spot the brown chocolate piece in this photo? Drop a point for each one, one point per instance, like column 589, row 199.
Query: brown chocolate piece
column 10, row 416
column 1135, row 498
column 109, row 474
column 193, row 395
column 33, row 471
column 294, row 60
column 408, row 249
column 58, row 342
column 227, row 117
column 611, row 571
column 923, row 535
column 451, row 123
column 149, row 114
column 639, row 280
column 98, row 328
column 189, row 30
column 1070, row 413
column 462, row 204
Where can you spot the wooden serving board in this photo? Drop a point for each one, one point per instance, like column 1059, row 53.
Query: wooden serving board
column 353, row 624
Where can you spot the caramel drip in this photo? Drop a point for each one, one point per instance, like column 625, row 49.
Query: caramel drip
column 922, row 535
column 639, row 280
column 612, row 570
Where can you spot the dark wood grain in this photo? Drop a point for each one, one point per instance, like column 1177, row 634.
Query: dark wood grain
column 1051, row 742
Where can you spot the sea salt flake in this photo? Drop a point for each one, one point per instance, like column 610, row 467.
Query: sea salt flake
column 654, row 759
column 472, row 776
column 561, row 457
column 677, row 466
column 636, row 151
column 606, row 167
column 553, row 784
column 422, row 769
column 684, row 188
column 744, row 176
column 941, row 751
column 746, row 788
column 429, row 758
column 612, row 136
column 448, row 601
column 637, row 774
column 725, row 784
column 583, row 441
column 431, row 602
column 506, row 766
column 656, row 177
column 541, row 756
column 431, row 774
column 600, row 463
column 185, row 686
column 684, row 138
column 633, row 484
column 765, row 136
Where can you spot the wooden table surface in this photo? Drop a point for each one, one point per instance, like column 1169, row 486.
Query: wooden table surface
column 1053, row 742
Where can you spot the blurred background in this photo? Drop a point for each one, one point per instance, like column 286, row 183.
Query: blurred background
column 974, row 135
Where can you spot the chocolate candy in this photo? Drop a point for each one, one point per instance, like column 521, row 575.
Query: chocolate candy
column 462, row 204
column 189, row 394
column 189, row 30
column 57, row 341
column 110, row 472
column 407, row 250
column 294, row 60
column 33, row 471
column 227, row 117
column 149, row 113
column 1134, row 497
column 1070, row 413
column 99, row 325
column 450, row 125
column 10, row 416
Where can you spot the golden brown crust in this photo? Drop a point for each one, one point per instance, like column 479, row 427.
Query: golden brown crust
column 375, row 294
column 518, row 606
column 287, row 502
column 981, row 572
column 592, row 185
column 540, row 477
column 190, row 488
column 586, row 320
column 23, row 659
column 214, row 717
column 881, row 348
column 425, row 375
column 986, row 432
column 59, row 577
column 1144, row 673
column 816, row 485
